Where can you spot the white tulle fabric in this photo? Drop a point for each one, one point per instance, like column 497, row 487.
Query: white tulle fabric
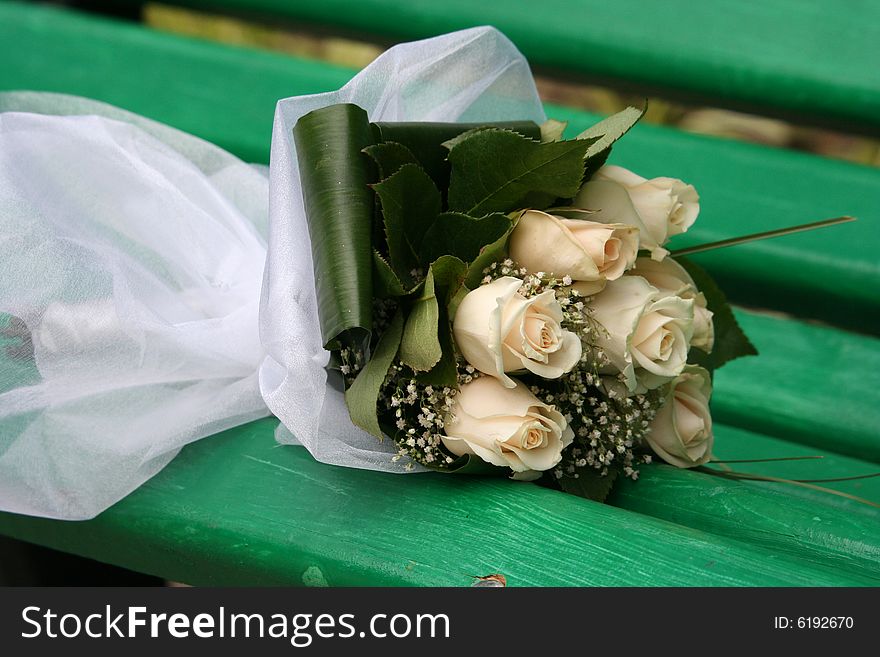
column 472, row 75
column 132, row 260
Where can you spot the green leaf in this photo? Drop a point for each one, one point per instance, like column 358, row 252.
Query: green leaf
column 589, row 484
column 490, row 253
column 730, row 340
column 424, row 140
column 386, row 284
column 462, row 236
column 420, row 347
column 552, row 130
column 456, row 298
column 427, row 345
column 339, row 206
column 494, row 170
column 608, row 131
column 445, row 372
column 362, row 395
column 389, row 157
column 449, row 273
column 410, row 204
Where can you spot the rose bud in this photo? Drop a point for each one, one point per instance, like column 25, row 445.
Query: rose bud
column 498, row 330
column 660, row 207
column 681, row 432
column 646, row 334
column 508, row 427
column 587, row 251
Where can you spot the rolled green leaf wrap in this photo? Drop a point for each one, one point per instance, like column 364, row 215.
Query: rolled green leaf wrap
column 335, row 177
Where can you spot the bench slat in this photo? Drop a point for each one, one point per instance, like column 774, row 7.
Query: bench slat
column 302, row 522
column 809, row 384
column 198, row 87
column 803, row 55
column 808, row 524
column 225, row 95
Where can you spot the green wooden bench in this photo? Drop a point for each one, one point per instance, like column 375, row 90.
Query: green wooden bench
column 807, row 58
column 235, row 509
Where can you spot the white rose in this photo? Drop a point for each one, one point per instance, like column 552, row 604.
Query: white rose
column 671, row 278
column 509, row 427
column 646, row 333
column 660, row 207
column 498, row 330
column 681, row 433
column 588, row 251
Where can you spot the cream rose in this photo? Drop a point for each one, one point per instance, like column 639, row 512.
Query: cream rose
column 509, row 427
column 660, row 207
column 646, row 334
column 671, row 278
column 498, row 330
column 588, row 251
column 681, row 433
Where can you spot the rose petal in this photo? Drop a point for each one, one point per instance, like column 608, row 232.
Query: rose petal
column 541, row 242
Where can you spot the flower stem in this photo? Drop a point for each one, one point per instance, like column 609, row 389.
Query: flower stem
column 754, row 237
column 794, row 482
column 778, row 458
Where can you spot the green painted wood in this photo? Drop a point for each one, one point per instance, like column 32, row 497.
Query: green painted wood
column 197, row 87
column 302, row 522
column 809, row 384
column 808, row 524
column 238, row 509
column 224, row 95
column 812, row 56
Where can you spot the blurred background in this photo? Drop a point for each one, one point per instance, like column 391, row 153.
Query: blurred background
column 351, row 52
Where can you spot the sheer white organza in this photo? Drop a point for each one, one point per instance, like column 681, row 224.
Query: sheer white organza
column 131, row 263
column 131, row 259
column 472, row 75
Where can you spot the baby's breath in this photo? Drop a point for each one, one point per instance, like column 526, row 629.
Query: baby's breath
column 418, row 413
column 608, row 421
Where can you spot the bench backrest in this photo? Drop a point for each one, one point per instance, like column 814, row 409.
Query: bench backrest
column 810, row 58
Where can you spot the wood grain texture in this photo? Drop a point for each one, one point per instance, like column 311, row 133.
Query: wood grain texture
column 196, row 86
column 787, row 519
column 814, row 57
column 809, row 384
column 238, row 509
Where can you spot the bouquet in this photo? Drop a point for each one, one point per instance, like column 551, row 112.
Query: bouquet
column 499, row 299
column 430, row 278
column 478, row 294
